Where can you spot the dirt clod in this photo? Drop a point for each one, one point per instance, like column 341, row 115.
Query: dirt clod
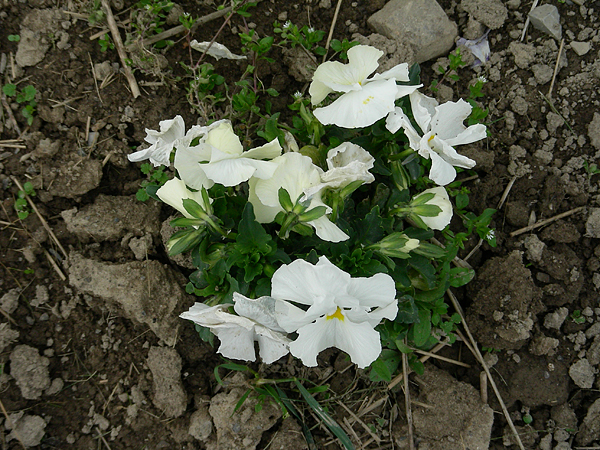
column 30, row 371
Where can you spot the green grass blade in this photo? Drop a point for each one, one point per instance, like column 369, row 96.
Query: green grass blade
column 326, row 418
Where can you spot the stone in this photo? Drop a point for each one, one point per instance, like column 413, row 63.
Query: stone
column 505, row 302
column 491, row 13
column 200, row 424
column 547, row 19
column 594, row 131
column 10, row 300
column 593, row 353
column 7, row 336
column 72, row 179
column 554, row 320
column 581, row 48
column 542, row 73
column 109, row 218
column 583, row 374
column 469, row 425
column 590, row 428
column 28, row 429
column 543, row 345
column 242, row 428
column 169, row 395
column 534, row 248
column 592, row 224
column 422, row 24
column 144, row 291
column 524, row 54
column 30, row 371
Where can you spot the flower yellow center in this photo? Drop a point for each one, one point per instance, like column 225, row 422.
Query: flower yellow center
column 368, row 99
column 336, row 315
column 431, row 138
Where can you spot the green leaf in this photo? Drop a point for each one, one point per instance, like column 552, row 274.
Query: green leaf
column 420, row 332
column 459, row 276
column 326, row 418
column 251, row 235
column 370, row 229
column 284, row 200
column 407, row 310
column 384, row 366
column 272, row 92
column 9, row 89
column 193, row 208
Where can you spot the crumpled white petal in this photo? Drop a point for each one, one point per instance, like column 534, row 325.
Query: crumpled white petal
column 174, row 191
column 215, row 50
column 237, row 334
column 162, row 142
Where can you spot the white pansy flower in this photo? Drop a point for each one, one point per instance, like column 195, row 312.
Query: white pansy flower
column 220, row 158
column 364, row 100
column 296, row 174
column 162, row 142
column 346, row 164
column 342, row 311
column 174, row 192
column 443, row 128
column 440, row 200
column 237, row 334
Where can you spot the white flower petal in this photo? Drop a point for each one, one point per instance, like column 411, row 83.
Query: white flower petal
column 261, row 310
column 398, row 72
column 452, row 156
column 223, row 138
column 187, row 162
column 359, row 340
column 396, row 120
column 442, row 200
column 231, row 172
column 358, row 109
column 174, row 191
column 447, row 122
column 263, row 213
column 347, row 153
column 290, row 317
column 473, row 133
column 236, row 342
column 327, row 230
column 269, row 150
column 442, row 172
column 404, row 90
column 215, row 50
column 423, row 108
column 313, row 339
column 162, row 142
column 272, row 345
column 318, row 91
column 374, row 291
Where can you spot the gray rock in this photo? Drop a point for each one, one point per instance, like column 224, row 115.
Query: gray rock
column 29, row 429
column 590, row 429
column 491, row 13
column 547, row 19
column 7, row 336
column 10, row 300
column 469, row 425
column 543, row 345
column 553, row 121
column 109, row 218
column 594, row 131
column 200, row 424
column 534, row 248
column 542, row 73
column 241, row 429
column 144, row 291
column 555, row 319
column 564, row 416
column 583, row 374
column 394, row 52
column 422, row 24
column 31, row 49
column 72, row 179
column 593, row 353
column 524, row 54
column 592, row 225
column 581, row 48
column 169, row 396
column 30, row 371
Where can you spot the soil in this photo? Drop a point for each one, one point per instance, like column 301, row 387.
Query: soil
column 93, row 354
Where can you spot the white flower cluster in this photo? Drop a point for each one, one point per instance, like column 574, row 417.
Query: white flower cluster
column 365, row 100
column 321, row 303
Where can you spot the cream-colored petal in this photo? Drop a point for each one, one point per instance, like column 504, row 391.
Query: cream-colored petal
column 423, row 109
column 187, row 162
column 327, row 230
column 318, row 92
column 442, row 200
column 174, row 191
column 269, row 150
column 442, row 172
column 223, row 138
column 473, row 133
column 377, row 290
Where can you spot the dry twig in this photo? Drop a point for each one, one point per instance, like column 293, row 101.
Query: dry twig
column 331, row 28
column 547, row 221
column 562, row 44
column 411, row 441
column 112, row 24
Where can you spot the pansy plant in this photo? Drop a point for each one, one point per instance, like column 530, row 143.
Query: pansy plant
column 328, row 242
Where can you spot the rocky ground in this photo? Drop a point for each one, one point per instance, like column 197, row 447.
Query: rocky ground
column 93, row 354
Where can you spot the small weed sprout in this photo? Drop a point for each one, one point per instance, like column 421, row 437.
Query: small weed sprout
column 14, row 37
column 155, row 177
column 21, row 206
column 25, row 97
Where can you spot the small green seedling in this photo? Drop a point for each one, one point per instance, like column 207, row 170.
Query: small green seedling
column 26, row 96
column 21, row 206
column 577, row 317
column 14, row 37
column 155, row 177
